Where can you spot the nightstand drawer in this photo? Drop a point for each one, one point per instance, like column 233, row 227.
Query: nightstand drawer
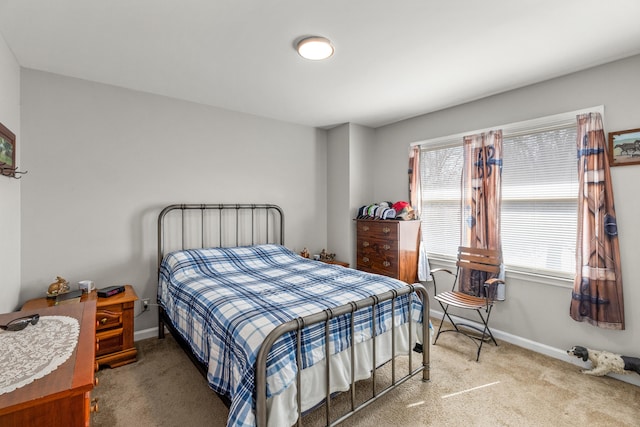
column 109, row 341
column 107, row 318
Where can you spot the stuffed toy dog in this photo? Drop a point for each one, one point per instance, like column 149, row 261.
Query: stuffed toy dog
column 604, row 362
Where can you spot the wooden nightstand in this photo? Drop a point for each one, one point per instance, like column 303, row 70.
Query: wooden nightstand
column 114, row 325
column 334, row 261
column 114, row 329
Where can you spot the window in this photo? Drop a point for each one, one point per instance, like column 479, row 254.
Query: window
column 540, row 201
column 539, row 195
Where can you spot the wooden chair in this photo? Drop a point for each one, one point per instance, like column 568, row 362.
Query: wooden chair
column 478, row 261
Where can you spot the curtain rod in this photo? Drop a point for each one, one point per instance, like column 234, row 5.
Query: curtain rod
column 516, row 128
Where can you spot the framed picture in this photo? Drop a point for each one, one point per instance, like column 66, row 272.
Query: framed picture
column 7, row 151
column 624, row 147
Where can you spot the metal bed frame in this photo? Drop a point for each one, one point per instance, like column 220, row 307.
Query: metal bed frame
column 267, row 226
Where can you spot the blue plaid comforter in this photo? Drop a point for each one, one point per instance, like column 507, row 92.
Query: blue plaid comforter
column 225, row 301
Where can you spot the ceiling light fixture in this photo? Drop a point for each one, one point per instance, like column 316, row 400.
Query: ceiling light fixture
column 315, row 48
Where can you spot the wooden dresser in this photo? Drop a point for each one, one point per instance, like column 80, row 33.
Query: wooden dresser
column 388, row 247
column 63, row 397
column 114, row 325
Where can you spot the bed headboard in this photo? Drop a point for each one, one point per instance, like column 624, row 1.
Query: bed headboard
column 189, row 226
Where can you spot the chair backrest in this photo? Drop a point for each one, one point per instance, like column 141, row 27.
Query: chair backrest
column 475, row 267
column 488, row 260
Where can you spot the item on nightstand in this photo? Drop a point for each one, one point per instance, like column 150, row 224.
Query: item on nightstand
column 68, row 297
column 86, row 285
column 304, row 253
column 60, row 286
column 325, row 256
column 110, row 291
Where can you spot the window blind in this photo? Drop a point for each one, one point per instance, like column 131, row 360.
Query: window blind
column 539, row 195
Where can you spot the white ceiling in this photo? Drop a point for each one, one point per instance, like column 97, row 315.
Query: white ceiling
column 394, row 59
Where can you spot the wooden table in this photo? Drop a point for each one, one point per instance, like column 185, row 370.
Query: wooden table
column 114, row 325
column 63, row 397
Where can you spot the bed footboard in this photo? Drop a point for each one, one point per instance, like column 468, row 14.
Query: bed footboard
column 325, row 317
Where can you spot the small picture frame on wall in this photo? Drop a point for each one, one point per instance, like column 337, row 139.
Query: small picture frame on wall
column 624, row 147
column 7, row 152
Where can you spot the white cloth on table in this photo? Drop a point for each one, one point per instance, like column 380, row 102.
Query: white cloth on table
column 36, row 351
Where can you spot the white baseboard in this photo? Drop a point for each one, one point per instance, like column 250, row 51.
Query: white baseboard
column 145, row 333
column 556, row 353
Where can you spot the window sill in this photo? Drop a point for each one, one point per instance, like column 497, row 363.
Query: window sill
column 543, row 279
column 528, row 276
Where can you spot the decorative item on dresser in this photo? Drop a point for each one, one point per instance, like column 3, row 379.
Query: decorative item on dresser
column 61, row 398
column 114, row 325
column 388, row 247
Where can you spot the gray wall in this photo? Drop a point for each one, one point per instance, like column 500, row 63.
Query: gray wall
column 10, row 188
column 350, row 151
column 103, row 161
column 538, row 310
column 338, row 159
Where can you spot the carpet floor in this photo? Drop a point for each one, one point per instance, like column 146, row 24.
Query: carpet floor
column 510, row 386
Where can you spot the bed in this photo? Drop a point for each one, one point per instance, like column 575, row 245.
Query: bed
column 256, row 317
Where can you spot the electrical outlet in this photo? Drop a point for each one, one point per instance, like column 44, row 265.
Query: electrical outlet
column 145, row 304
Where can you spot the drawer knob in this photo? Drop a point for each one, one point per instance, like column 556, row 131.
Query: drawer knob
column 386, row 263
column 365, row 244
column 386, row 230
column 94, row 405
column 365, row 228
column 95, row 381
column 365, row 259
column 103, row 320
column 386, row 247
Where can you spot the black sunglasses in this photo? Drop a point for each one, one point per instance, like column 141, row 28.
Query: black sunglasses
column 20, row 323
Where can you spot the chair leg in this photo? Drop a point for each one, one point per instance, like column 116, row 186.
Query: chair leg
column 485, row 332
column 435, row 340
column 446, row 314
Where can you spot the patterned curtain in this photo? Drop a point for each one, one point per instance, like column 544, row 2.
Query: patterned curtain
column 414, row 179
column 597, row 289
column 415, row 199
column 481, row 198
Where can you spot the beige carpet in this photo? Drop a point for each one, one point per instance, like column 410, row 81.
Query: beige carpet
column 510, row 386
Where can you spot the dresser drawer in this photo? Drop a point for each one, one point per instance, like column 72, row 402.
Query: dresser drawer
column 375, row 254
column 375, row 262
column 370, row 243
column 377, row 230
